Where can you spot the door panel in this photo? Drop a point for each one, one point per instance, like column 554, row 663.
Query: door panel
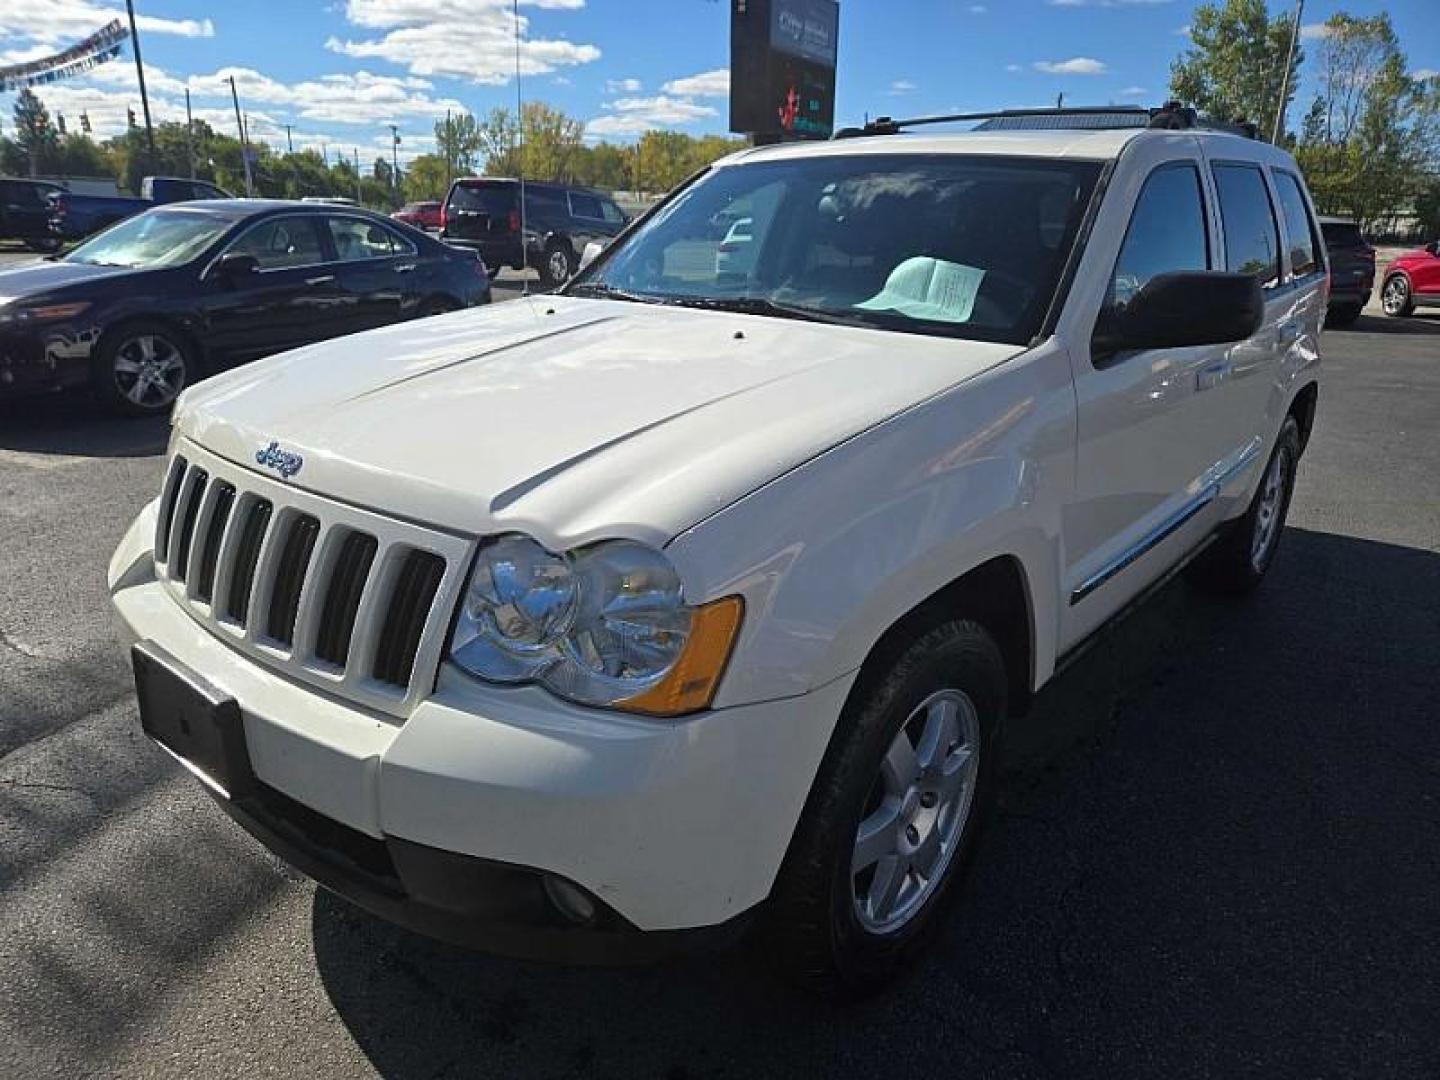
column 377, row 272
column 1425, row 274
column 1151, row 438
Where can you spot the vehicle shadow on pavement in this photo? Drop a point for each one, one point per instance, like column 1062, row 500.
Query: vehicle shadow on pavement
column 71, row 424
column 1216, row 853
column 1421, row 322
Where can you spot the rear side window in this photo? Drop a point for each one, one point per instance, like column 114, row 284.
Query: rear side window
column 498, row 199
column 586, row 206
column 1252, row 239
column 1342, row 234
column 1167, row 232
column 281, row 242
column 1304, row 256
column 612, row 212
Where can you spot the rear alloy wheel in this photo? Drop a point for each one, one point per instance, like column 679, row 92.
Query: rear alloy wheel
column 558, row 265
column 141, row 369
column 1236, row 562
column 1395, row 297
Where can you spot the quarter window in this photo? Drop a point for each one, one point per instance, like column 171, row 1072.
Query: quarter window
column 1252, row 239
column 356, row 239
column 282, row 242
column 1167, row 233
column 1304, row 243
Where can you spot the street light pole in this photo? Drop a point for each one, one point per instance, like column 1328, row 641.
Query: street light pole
column 244, row 142
column 140, row 72
column 394, row 157
column 289, row 142
column 189, row 134
column 1285, row 80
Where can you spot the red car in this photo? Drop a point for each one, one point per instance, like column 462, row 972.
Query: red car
column 422, row 215
column 1412, row 280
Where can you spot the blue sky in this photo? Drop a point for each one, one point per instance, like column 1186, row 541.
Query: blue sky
column 339, row 72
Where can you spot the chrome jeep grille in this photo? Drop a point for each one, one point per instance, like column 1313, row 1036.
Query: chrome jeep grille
column 342, row 598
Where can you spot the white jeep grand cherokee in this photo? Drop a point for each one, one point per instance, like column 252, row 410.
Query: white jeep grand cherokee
column 697, row 594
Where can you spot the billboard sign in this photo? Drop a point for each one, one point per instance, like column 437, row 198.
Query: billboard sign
column 782, row 68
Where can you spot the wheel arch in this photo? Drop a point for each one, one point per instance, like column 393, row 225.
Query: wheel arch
column 997, row 595
column 1302, row 408
column 178, row 326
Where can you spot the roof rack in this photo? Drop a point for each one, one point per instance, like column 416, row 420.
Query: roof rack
column 1172, row 116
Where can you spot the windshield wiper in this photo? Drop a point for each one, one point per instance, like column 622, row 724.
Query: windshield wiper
column 761, row 305
column 609, row 292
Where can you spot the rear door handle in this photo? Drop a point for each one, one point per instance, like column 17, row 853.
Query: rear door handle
column 404, row 268
column 1289, row 333
column 323, row 279
column 1212, row 375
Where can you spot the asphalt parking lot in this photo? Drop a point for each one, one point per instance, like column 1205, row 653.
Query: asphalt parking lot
column 1217, row 855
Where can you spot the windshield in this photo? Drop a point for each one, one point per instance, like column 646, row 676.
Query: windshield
column 154, row 239
column 965, row 246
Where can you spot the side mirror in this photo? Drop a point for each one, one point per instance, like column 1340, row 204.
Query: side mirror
column 234, row 265
column 1191, row 307
column 591, row 253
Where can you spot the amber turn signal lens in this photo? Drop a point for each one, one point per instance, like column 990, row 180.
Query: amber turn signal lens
column 692, row 682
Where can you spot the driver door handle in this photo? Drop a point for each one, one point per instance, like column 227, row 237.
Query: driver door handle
column 1212, row 375
column 404, row 268
column 323, row 279
column 1289, row 332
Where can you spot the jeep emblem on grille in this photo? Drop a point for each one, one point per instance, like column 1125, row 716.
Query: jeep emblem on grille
column 284, row 462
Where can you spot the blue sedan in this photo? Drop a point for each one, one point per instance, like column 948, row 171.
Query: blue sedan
column 152, row 303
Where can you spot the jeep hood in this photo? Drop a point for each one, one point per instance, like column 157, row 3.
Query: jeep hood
column 572, row 419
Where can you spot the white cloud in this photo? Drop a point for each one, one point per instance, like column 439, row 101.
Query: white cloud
column 902, row 86
column 470, row 39
column 625, row 86
column 352, row 98
column 1013, row 67
column 1107, row 3
column 1314, row 31
column 1134, row 91
column 1076, row 65
column 1425, row 73
column 978, row 9
column 632, row 116
column 55, row 22
column 1182, row 31
column 707, row 84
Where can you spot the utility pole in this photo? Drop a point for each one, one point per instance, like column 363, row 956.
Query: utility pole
column 394, row 157
column 244, row 142
column 189, row 135
column 449, row 151
column 1285, row 78
column 357, row 173
column 289, row 142
column 140, row 71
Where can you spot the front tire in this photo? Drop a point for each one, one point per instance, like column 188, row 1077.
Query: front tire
column 140, row 368
column 897, row 806
column 1236, row 563
column 1395, row 296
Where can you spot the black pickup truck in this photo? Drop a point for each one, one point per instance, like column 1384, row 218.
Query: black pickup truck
column 75, row 216
column 25, row 212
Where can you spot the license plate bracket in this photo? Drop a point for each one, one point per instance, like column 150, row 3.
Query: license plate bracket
column 193, row 719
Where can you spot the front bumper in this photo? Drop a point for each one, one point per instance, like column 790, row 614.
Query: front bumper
column 668, row 826
column 35, row 359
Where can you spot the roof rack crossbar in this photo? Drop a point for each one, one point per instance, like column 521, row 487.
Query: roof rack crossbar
column 1172, row 115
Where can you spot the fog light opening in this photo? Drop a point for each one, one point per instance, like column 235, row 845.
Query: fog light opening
column 569, row 900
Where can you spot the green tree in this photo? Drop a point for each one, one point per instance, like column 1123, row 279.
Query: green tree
column 459, row 141
column 666, row 158
column 427, row 178
column 1236, row 65
column 35, row 134
column 547, row 145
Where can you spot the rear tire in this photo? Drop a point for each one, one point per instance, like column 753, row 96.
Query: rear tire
column 140, row 368
column 558, row 264
column 1236, row 562
column 1342, row 315
column 436, row 305
column 893, row 817
column 1395, row 296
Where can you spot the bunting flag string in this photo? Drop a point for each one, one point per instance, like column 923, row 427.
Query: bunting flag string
column 105, row 44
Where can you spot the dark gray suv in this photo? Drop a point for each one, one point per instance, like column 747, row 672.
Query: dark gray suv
column 559, row 220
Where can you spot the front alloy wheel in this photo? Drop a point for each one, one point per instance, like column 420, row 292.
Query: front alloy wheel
column 916, row 811
column 141, row 369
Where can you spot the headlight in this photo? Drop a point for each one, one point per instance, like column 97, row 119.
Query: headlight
column 605, row 625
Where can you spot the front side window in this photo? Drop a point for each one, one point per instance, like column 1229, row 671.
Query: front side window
column 1166, row 233
column 282, row 242
column 965, row 246
column 586, row 206
column 612, row 212
column 1252, row 238
column 1303, row 241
